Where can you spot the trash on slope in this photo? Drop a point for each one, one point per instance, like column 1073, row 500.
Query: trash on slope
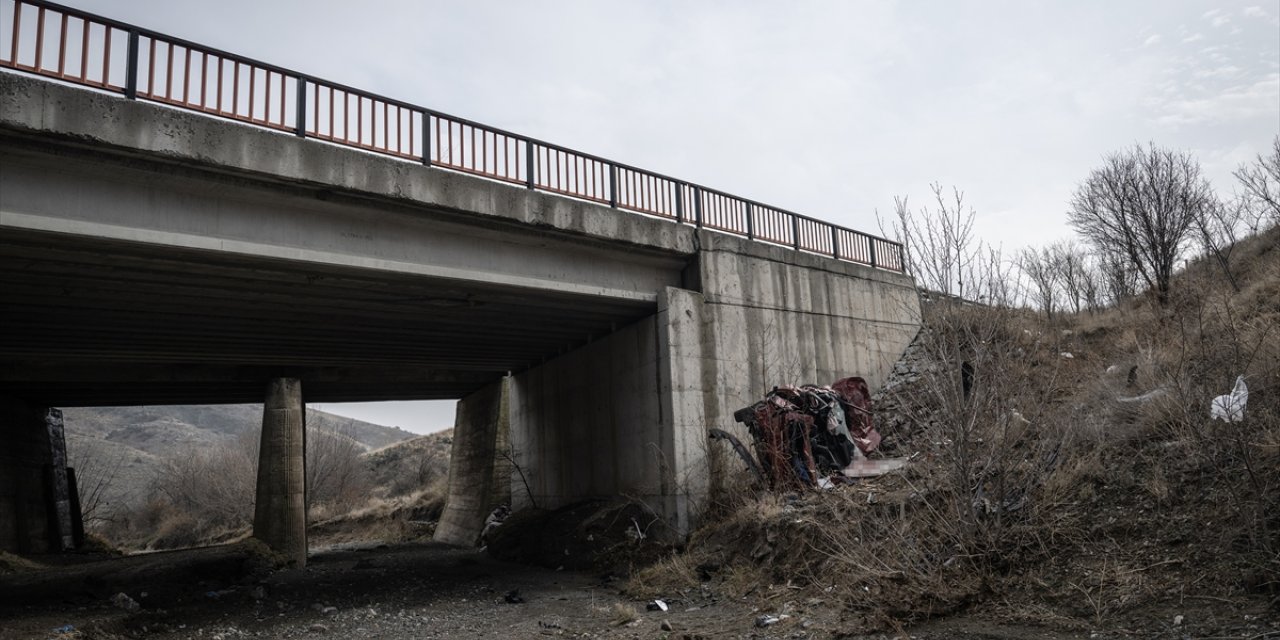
column 815, row 436
column 1230, row 407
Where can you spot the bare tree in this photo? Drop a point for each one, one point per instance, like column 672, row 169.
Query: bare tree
column 1142, row 204
column 1038, row 266
column 938, row 245
column 1260, row 180
column 1069, row 262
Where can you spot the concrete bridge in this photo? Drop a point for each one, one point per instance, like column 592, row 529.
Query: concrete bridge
column 593, row 319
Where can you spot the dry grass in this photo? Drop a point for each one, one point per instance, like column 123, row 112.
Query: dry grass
column 622, row 613
column 10, row 563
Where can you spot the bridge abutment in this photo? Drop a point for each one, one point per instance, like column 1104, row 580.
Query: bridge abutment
column 280, row 511
column 617, row 417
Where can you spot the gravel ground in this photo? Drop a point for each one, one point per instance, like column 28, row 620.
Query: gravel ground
column 419, row 591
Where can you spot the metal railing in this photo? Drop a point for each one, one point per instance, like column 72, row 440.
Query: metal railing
column 61, row 42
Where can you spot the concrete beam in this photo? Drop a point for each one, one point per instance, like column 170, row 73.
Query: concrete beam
column 280, row 513
column 475, row 484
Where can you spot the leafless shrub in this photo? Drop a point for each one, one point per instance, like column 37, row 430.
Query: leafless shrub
column 938, row 244
column 1260, row 181
column 1217, row 228
column 97, row 466
column 336, row 478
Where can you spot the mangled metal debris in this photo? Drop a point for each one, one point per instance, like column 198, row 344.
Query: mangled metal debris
column 814, row 436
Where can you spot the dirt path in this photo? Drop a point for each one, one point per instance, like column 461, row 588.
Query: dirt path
column 393, row 593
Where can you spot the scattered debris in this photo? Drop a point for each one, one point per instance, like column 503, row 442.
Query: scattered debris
column 1146, row 397
column 657, row 605
column 124, row 602
column 1067, row 355
column 666, row 626
column 1177, row 620
column 814, row 436
column 317, row 628
column 770, row 620
column 720, row 434
column 495, row 520
column 513, row 597
column 1230, row 407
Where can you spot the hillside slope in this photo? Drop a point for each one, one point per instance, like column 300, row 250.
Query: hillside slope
column 1075, row 482
column 120, row 449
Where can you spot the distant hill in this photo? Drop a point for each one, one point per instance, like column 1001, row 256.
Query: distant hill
column 164, row 429
column 126, row 445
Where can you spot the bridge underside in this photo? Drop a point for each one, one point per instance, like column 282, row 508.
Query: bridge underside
column 151, row 256
column 94, row 322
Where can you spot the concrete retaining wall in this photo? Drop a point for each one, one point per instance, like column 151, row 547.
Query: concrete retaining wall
column 629, row 414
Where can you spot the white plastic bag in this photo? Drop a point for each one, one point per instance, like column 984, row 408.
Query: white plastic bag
column 1230, row 408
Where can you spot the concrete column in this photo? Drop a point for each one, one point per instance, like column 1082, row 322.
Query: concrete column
column 280, row 513
column 35, row 501
column 474, row 491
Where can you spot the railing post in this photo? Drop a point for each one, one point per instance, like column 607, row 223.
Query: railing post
column 300, row 127
column 871, row 243
column 751, row 234
column 835, row 242
column 795, row 231
column 530, row 171
column 131, row 67
column 613, row 185
column 679, row 202
column 697, row 207
column 426, row 138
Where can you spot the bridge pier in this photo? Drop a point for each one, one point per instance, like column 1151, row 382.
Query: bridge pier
column 280, row 512
column 479, row 465
column 38, row 513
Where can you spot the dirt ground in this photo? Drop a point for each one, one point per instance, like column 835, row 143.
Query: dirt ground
column 412, row 591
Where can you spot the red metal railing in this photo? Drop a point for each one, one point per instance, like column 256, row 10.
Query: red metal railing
column 64, row 43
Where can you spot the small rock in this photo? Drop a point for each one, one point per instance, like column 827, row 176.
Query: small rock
column 317, row 628
column 766, row 620
column 1177, row 620
column 329, row 610
column 513, row 597
column 666, row 625
column 1066, row 354
column 122, row 601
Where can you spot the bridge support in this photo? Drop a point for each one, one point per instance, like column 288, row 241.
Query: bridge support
column 38, row 513
column 280, row 513
column 479, row 465
column 621, row 416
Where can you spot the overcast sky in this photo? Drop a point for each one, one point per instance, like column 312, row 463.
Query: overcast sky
column 825, row 108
